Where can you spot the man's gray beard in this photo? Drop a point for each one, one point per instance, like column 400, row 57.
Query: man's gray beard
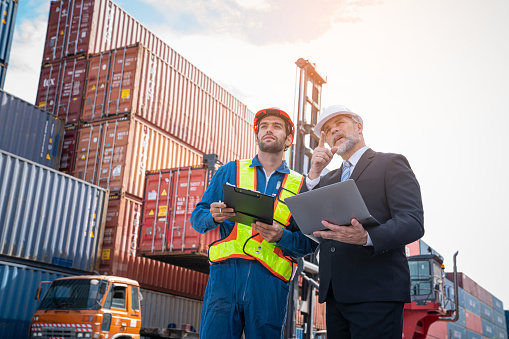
column 350, row 143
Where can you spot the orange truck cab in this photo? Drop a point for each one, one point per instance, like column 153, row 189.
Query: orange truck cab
column 88, row 307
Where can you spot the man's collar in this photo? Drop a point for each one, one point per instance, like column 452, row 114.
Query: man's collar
column 283, row 168
column 354, row 159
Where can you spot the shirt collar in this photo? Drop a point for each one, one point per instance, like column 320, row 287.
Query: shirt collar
column 283, row 168
column 354, row 159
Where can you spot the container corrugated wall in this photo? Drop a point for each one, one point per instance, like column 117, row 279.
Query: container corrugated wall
column 8, row 9
column 166, row 231
column 30, row 132
column 18, row 284
column 3, row 73
column 69, row 148
column 61, row 86
column 119, row 254
column 133, row 80
column 48, row 216
column 116, row 154
column 159, row 310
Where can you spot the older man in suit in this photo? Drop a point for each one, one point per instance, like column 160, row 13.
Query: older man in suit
column 364, row 275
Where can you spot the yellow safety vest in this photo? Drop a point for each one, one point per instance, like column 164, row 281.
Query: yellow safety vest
column 243, row 242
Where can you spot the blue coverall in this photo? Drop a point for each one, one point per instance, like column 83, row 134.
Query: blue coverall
column 242, row 295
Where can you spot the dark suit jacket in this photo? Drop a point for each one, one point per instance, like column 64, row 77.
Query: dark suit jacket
column 379, row 272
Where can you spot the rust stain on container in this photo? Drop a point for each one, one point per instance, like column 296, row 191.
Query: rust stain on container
column 61, row 86
column 166, row 231
column 119, row 254
column 115, row 154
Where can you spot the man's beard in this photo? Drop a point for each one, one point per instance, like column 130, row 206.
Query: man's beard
column 350, row 143
column 273, row 147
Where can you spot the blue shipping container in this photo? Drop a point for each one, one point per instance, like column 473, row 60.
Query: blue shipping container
column 488, row 328
column 498, row 305
column 500, row 333
column 499, row 319
column 449, row 292
column 48, row 216
column 3, row 73
column 8, row 10
column 486, row 312
column 29, row 132
column 456, row 332
column 18, row 284
column 472, row 304
column 473, row 335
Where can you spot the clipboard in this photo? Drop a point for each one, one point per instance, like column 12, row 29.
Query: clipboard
column 250, row 206
column 338, row 203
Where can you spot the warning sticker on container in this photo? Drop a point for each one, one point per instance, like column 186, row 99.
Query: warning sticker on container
column 152, row 195
column 162, row 211
column 164, row 192
column 125, row 93
column 42, row 104
column 116, row 171
column 106, row 254
column 151, row 212
column 48, row 157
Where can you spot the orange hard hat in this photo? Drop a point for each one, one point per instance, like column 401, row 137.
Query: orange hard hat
column 290, row 127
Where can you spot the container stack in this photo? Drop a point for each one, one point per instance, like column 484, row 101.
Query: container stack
column 131, row 104
column 481, row 314
column 8, row 10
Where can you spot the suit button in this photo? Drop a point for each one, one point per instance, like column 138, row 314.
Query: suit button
column 333, row 249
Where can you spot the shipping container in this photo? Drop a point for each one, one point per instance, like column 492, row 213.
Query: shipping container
column 500, row 333
column 473, row 322
column 473, row 335
column 3, row 73
column 134, row 81
column 48, row 216
column 18, row 285
column 419, row 247
column 69, row 148
column 498, row 305
column 116, row 154
column 466, row 283
column 486, row 312
column 449, row 293
column 472, row 304
column 485, row 296
column 119, row 254
column 318, row 316
column 160, row 310
column 8, row 10
column 499, row 319
column 438, row 329
column 455, row 331
column 29, row 132
column 61, row 86
column 166, row 231
column 488, row 328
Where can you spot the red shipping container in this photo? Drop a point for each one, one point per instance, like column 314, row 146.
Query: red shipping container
column 61, row 86
column 473, row 322
column 465, row 283
column 166, row 231
column 438, row 329
column 69, row 148
column 485, row 296
column 134, row 81
column 318, row 316
column 116, row 154
column 56, row 31
column 119, row 254
column 413, row 248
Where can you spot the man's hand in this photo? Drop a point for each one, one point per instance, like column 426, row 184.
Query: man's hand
column 220, row 212
column 355, row 234
column 322, row 156
column 271, row 233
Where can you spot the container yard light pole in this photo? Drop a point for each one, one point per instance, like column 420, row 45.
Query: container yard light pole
column 308, row 109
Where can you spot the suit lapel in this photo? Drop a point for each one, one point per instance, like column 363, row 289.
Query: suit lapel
column 363, row 163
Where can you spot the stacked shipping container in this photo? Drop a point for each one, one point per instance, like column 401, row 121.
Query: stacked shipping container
column 131, row 105
column 8, row 10
column 480, row 313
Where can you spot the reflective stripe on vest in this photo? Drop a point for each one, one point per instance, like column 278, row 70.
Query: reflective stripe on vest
column 242, row 244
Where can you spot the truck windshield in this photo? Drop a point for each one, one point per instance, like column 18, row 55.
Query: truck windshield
column 74, row 294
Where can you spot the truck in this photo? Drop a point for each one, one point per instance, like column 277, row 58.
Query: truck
column 94, row 306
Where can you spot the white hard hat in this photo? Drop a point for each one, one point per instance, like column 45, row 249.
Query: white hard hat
column 333, row 111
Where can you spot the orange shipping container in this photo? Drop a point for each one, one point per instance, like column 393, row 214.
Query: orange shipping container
column 166, row 231
column 119, row 255
column 115, row 154
column 134, row 81
column 61, row 86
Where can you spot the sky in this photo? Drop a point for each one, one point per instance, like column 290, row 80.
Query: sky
column 430, row 79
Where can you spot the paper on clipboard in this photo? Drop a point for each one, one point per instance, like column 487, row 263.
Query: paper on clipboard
column 250, row 206
column 338, row 203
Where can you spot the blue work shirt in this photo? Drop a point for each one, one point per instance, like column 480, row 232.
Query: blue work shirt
column 293, row 242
